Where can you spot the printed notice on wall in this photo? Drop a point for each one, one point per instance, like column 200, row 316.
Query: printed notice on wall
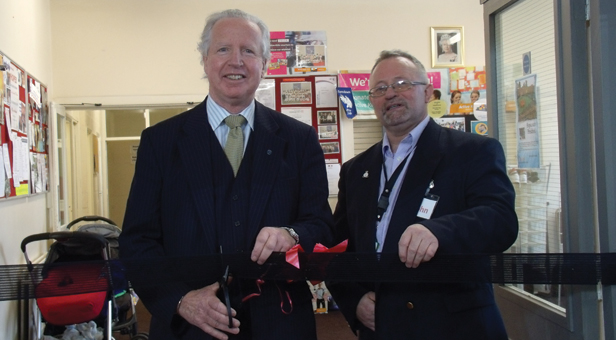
column 326, row 91
column 303, row 114
column 333, row 175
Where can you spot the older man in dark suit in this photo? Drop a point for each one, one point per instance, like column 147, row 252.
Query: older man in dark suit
column 192, row 195
column 439, row 191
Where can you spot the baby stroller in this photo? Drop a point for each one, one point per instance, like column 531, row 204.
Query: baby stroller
column 80, row 282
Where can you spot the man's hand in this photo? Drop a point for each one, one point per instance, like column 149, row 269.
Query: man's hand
column 203, row 309
column 365, row 310
column 417, row 244
column 271, row 239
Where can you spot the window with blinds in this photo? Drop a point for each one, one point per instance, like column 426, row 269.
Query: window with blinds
column 528, row 129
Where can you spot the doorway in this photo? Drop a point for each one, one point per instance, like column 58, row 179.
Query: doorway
column 123, row 129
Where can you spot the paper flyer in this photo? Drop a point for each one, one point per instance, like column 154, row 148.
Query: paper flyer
column 7, row 160
column 333, row 176
column 528, row 129
column 325, row 92
column 266, row 93
column 3, row 176
column 303, row 114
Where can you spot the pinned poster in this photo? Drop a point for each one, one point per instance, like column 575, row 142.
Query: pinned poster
column 297, row 52
column 479, row 127
column 528, row 129
column 480, row 110
column 3, row 179
column 346, row 97
column 437, row 108
column 358, row 82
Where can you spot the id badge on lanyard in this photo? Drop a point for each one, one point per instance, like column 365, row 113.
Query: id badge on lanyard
column 428, row 204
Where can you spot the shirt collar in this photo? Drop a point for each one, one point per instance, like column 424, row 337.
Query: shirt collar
column 217, row 114
column 411, row 139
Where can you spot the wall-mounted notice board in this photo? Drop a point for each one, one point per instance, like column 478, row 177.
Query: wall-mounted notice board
column 313, row 100
column 310, row 99
column 24, row 132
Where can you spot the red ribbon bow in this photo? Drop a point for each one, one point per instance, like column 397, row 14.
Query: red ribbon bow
column 292, row 255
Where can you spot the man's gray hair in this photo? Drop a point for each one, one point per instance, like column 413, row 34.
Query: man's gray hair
column 206, row 36
column 387, row 54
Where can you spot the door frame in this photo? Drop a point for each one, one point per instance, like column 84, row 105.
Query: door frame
column 583, row 192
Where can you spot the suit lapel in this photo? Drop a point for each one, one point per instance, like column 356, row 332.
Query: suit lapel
column 368, row 187
column 418, row 175
column 194, row 147
column 267, row 157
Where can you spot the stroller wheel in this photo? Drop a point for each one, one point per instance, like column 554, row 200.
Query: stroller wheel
column 141, row 336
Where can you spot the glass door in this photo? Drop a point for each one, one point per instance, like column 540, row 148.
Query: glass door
column 537, row 65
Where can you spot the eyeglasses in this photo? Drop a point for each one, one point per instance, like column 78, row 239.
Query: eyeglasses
column 399, row 86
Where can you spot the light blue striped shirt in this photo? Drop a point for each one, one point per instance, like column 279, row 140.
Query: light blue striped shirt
column 216, row 115
column 392, row 161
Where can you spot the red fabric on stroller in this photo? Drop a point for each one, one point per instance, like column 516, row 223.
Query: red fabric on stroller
column 72, row 308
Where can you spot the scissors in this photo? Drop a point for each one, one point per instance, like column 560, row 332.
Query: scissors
column 224, row 287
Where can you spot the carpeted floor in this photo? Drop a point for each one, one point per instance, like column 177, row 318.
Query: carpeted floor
column 331, row 326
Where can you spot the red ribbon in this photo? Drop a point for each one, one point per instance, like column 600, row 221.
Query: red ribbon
column 292, row 256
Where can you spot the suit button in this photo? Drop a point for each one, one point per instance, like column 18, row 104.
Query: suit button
column 237, row 223
column 410, row 305
column 234, row 197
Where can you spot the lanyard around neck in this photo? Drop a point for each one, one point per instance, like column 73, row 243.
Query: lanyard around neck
column 389, row 184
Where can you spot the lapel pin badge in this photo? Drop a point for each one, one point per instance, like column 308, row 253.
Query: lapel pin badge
column 365, row 174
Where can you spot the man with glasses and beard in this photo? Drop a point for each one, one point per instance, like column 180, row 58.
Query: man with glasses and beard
column 422, row 191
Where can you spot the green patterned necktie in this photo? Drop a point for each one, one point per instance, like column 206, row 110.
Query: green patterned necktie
column 234, row 149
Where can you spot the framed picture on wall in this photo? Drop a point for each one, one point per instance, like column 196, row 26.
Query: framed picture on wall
column 447, row 46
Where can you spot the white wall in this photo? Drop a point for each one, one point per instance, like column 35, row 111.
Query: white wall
column 25, row 37
column 119, row 52
column 116, row 49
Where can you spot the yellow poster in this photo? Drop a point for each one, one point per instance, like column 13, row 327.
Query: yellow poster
column 437, row 108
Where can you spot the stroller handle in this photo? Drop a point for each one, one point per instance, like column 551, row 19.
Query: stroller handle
column 61, row 235
column 90, row 218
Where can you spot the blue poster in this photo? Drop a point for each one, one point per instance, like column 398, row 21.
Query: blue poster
column 346, row 97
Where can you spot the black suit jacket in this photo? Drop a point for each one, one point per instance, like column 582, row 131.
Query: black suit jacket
column 171, row 207
column 475, row 214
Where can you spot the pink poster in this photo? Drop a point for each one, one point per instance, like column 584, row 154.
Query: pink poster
column 356, row 81
column 435, row 79
column 278, row 64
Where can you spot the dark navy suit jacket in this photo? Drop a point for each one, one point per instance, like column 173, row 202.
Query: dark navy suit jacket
column 171, row 208
column 475, row 214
